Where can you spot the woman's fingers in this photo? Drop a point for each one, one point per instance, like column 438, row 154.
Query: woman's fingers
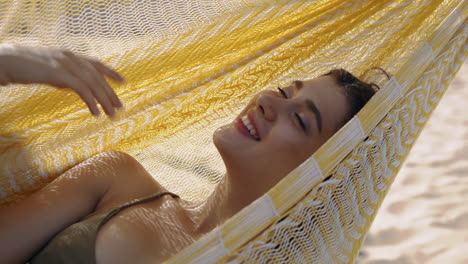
column 104, row 69
column 98, row 87
column 88, row 74
column 81, row 89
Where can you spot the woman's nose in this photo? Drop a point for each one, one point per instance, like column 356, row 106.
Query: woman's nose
column 268, row 104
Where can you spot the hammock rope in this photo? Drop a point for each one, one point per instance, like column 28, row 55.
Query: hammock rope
column 192, row 65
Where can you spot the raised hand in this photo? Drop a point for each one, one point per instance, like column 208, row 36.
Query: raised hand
column 62, row 69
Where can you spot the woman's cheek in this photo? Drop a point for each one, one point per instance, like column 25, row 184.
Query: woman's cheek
column 288, row 138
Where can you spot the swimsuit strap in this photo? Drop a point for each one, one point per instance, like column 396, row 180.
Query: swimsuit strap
column 134, row 202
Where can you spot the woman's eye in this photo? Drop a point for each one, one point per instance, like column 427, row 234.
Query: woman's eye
column 283, row 92
column 299, row 119
column 301, row 122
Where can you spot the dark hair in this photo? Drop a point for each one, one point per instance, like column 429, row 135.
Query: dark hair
column 356, row 91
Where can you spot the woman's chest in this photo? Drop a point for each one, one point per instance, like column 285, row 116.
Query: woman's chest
column 150, row 232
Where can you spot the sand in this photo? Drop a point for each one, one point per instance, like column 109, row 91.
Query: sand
column 424, row 218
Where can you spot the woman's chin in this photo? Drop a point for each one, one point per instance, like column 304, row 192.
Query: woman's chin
column 220, row 139
column 229, row 141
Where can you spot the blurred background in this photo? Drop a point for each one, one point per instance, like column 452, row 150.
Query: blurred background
column 424, row 218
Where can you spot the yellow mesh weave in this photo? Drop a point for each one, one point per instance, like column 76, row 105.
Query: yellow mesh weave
column 192, row 65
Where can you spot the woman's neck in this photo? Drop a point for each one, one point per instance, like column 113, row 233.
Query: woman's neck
column 228, row 198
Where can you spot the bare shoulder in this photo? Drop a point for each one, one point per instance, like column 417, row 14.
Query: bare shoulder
column 130, row 180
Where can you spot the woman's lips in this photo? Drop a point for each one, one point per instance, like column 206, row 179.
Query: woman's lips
column 243, row 129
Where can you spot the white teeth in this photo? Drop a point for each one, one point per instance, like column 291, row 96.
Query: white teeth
column 249, row 126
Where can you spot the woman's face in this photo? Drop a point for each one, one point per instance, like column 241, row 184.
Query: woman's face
column 277, row 131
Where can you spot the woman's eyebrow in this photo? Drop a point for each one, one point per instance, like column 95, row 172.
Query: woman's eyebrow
column 310, row 105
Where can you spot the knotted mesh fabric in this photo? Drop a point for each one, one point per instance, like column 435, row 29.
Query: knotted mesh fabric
column 192, row 65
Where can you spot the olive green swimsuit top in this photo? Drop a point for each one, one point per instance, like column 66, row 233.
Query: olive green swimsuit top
column 76, row 243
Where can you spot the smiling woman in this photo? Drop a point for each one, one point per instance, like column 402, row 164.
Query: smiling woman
column 275, row 132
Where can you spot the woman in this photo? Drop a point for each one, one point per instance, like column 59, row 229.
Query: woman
column 275, row 132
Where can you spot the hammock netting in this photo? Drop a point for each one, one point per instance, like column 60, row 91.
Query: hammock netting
column 191, row 66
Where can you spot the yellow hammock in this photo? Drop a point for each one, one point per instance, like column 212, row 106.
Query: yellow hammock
column 190, row 68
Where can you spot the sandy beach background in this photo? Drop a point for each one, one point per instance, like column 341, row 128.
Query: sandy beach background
column 424, row 218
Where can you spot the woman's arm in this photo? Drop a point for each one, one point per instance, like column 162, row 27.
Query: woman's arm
column 28, row 225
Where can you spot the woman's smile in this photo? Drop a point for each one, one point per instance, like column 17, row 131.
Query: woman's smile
column 246, row 127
